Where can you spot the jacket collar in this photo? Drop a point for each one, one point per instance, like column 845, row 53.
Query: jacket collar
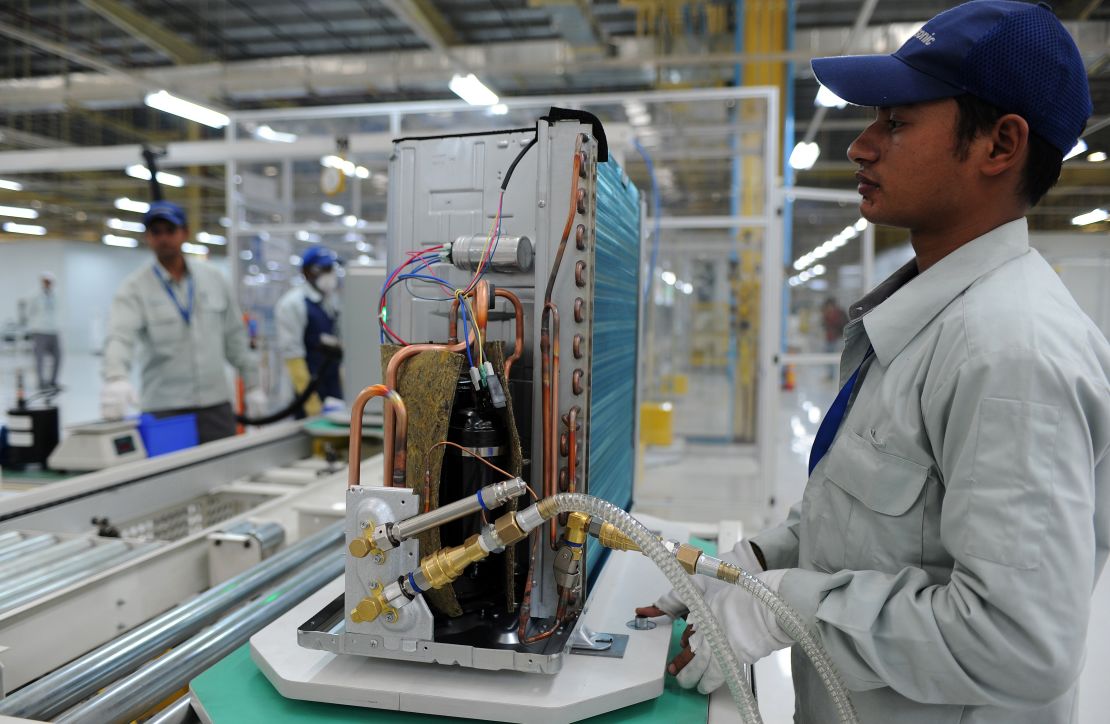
column 899, row 308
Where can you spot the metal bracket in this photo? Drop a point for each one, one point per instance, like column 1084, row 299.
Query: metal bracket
column 587, row 642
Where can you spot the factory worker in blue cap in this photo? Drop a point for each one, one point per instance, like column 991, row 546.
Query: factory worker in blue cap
column 181, row 322
column 308, row 329
column 957, row 513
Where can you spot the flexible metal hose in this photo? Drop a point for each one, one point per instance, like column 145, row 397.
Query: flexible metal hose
column 791, row 622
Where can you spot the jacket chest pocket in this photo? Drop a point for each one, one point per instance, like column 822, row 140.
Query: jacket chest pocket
column 163, row 326
column 212, row 308
column 871, row 509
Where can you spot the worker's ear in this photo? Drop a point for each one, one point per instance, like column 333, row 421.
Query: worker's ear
column 1008, row 146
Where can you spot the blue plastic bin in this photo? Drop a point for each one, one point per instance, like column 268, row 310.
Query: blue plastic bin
column 167, row 435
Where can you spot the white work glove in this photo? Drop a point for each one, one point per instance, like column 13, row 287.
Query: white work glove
column 116, row 396
column 670, row 604
column 257, row 403
column 751, row 629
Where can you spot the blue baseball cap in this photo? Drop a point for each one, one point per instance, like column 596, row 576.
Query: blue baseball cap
column 1014, row 55
column 318, row 256
column 167, row 210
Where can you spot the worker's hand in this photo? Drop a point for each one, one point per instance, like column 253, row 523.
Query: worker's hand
column 258, row 404
column 669, row 604
column 751, row 629
column 116, row 396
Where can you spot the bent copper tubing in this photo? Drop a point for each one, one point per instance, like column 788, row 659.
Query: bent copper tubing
column 549, row 403
column 395, row 464
column 518, row 314
column 572, row 449
column 396, row 406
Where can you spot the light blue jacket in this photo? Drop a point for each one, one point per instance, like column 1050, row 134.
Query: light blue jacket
column 947, row 545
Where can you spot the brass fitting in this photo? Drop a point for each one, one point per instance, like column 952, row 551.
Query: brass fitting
column 688, row 556
column 364, row 546
column 578, row 525
column 508, row 530
column 610, row 537
column 367, row 610
column 547, row 508
column 728, row 572
column 447, row 564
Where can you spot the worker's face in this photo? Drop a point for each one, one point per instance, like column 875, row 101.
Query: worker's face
column 47, row 285
column 910, row 174
column 165, row 239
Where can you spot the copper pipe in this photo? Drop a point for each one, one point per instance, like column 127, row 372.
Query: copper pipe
column 550, row 405
column 481, row 303
column 395, row 463
column 518, row 344
column 572, row 448
column 518, row 313
column 396, row 407
column 560, row 615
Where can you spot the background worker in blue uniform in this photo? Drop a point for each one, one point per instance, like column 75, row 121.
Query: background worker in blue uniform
column 308, row 329
column 181, row 320
column 957, row 513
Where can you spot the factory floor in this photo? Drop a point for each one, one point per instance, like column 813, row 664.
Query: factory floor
column 702, row 479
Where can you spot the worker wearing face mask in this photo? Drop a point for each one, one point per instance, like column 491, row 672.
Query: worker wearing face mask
column 308, row 329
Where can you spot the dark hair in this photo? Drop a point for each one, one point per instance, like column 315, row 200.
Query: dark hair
column 1042, row 167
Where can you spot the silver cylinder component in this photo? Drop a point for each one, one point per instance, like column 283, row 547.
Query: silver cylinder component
column 269, row 535
column 66, row 686
column 510, row 253
column 395, row 596
column 130, row 697
column 489, row 541
column 26, row 546
column 489, row 497
column 90, row 567
column 20, row 566
column 708, row 566
column 66, row 569
column 529, row 519
column 10, row 538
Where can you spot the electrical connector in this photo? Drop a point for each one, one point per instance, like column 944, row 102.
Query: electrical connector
column 496, row 391
column 476, row 378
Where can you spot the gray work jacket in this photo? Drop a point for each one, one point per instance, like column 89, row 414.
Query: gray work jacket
column 947, row 545
column 182, row 364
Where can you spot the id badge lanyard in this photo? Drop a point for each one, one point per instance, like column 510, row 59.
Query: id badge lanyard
column 185, row 312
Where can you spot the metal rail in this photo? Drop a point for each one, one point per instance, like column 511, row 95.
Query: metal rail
column 63, row 688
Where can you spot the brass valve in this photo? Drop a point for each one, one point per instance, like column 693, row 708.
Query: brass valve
column 364, row 546
column 447, row 564
column 373, row 606
column 610, row 537
column 578, row 527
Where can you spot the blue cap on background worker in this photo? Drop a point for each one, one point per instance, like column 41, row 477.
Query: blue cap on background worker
column 184, row 318
column 308, row 329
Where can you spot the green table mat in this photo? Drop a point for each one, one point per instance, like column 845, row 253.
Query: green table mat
column 235, row 691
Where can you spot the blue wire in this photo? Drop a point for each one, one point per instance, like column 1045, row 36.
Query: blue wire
column 466, row 333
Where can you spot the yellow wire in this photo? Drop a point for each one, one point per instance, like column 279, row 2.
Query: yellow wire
column 477, row 329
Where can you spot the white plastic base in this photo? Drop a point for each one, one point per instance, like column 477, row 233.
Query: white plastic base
column 586, row 686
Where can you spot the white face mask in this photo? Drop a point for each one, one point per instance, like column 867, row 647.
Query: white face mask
column 327, row 282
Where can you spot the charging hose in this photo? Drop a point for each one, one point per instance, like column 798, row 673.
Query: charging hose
column 651, row 546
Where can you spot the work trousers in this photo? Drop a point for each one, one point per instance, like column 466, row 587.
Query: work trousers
column 47, row 345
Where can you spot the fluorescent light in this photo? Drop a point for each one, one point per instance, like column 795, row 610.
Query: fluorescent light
column 198, row 249
column 121, row 225
column 687, row 288
column 828, row 99
column 332, row 209
column 860, row 225
column 307, row 236
column 804, row 156
column 10, row 185
column 669, row 278
column 205, row 238
column 362, row 172
column 1096, row 157
column 819, row 269
column 18, row 212
column 364, row 260
column 124, row 241
column 265, row 133
column 143, row 173
column 1090, row 217
column 362, row 246
column 499, row 109
column 165, row 101
column 126, row 204
column 472, row 90
column 350, row 220
column 13, row 228
column 1077, row 149
column 246, row 255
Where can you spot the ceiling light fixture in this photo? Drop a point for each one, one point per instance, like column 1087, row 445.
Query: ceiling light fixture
column 1091, row 217
column 472, row 90
column 143, row 173
column 332, row 209
column 166, row 101
column 13, row 228
column 10, row 185
column 125, row 204
column 18, row 212
column 198, row 249
column 804, row 156
column 265, row 133
column 205, row 238
column 121, row 225
column 122, row 241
